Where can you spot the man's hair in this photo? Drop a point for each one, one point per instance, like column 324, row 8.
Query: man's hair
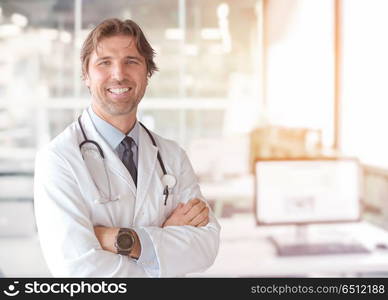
column 112, row 27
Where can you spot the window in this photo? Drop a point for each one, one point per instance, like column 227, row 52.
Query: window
column 207, row 52
column 299, row 70
column 364, row 81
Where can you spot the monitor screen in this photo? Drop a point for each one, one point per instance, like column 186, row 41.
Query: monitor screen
column 307, row 191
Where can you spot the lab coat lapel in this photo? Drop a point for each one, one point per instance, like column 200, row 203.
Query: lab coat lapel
column 113, row 162
column 146, row 167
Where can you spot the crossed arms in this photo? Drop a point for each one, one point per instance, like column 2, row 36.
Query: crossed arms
column 73, row 246
column 194, row 213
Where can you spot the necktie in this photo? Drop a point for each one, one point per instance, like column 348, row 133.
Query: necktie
column 127, row 158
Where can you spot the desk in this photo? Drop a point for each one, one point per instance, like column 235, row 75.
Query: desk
column 245, row 251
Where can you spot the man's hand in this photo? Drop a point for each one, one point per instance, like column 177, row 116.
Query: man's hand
column 194, row 213
column 107, row 237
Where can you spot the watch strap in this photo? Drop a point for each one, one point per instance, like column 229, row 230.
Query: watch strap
column 123, row 252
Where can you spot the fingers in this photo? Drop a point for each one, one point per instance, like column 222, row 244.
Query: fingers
column 195, row 210
column 200, row 218
column 190, row 204
column 204, row 222
column 194, row 213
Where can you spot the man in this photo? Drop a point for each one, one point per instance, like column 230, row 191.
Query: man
column 112, row 199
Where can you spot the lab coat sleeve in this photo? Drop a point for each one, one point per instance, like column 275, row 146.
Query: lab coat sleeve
column 147, row 258
column 186, row 249
column 65, row 229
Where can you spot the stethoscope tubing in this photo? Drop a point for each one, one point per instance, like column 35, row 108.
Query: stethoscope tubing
column 86, row 140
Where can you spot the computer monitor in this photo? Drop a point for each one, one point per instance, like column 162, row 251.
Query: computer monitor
column 307, row 190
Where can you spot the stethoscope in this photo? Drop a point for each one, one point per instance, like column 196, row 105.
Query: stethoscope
column 168, row 181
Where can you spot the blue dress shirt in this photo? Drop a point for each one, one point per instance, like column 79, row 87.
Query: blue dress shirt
column 113, row 137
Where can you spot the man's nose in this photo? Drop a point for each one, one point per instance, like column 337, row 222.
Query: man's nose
column 118, row 72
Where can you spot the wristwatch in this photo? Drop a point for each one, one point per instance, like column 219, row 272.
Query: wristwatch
column 125, row 240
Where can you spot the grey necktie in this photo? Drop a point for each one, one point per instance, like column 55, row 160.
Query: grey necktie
column 127, row 158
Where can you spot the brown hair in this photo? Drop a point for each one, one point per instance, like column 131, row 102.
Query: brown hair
column 111, row 27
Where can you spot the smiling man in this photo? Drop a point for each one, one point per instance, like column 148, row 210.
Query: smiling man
column 113, row 199
column 117, row 79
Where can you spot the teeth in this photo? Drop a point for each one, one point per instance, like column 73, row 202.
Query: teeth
column 118, row 91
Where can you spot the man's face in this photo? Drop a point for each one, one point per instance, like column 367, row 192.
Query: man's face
column 117, row 75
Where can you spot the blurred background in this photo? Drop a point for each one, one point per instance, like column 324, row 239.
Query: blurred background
column 239, row 81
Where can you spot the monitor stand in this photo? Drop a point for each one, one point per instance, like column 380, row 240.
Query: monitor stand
column 303, row 243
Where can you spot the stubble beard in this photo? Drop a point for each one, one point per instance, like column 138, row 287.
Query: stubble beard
column 117, row 109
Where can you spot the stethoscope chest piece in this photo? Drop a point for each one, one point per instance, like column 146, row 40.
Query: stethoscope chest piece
column 169, row 181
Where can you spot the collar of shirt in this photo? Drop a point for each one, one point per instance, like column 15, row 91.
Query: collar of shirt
column 111, row 134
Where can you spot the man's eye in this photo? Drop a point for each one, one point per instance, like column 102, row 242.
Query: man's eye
column 132, row 62
column 104, row 62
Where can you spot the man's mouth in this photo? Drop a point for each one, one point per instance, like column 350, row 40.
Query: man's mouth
column 118, row 91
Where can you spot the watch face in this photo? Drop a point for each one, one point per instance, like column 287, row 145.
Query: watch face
column 125, row 241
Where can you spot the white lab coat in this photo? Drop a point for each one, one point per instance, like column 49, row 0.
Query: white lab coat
column 66, row 209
